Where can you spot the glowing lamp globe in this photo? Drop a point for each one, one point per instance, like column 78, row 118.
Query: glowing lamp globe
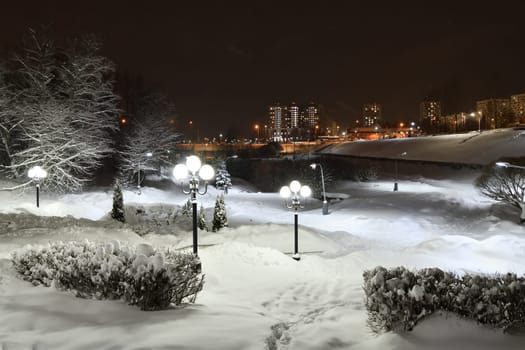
column 295, row 186
column 206, row 172
column 180, row 171
column 285, row 191
column 37, row 172
column 306, row 191
column 193, row 163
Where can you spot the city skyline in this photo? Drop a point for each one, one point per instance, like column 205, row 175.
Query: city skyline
column 223, row 64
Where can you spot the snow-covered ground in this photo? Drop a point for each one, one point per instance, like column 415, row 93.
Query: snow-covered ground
column 451, row 148
column 255, row 295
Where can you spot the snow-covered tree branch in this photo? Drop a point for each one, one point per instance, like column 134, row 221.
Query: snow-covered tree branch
column 150, row 132
column 61, row 113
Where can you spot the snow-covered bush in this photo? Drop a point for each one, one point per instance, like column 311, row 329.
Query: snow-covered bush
column 138, row 274
column 187, row 209
column 223, row 180
column 397, row 299
column 366, row 173
column 505, row 184
column 203, row 225
column 220, row 218
column 117, row 212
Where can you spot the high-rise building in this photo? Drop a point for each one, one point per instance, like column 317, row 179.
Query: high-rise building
column 295, row 121
column 429, row 113
column 494, row 113
column 277, row 116
column 371, row 114
column 517, row 106
column 310, row 116
column 278, row 121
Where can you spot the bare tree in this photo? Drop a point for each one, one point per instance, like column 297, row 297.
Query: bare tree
column 505, row 185
column 151, row 132
column 8, row 123
column 64, row 112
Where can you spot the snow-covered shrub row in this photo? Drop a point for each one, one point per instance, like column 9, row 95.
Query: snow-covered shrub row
column 396, row 299
column 139, row 275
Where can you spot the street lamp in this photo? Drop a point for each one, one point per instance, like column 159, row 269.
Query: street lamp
column 296, row 191
column 479, row 121
column 508, row 165
column 148, row 154
column 325, row 203
column 195, row 171
column 395, row 170
column 473, row 114
column 37, row 174
column 256, row 126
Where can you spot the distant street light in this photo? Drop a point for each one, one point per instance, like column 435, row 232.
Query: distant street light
column 147, row 155
column 256, row 127
column 325, row 203
column 195, row 171
column 479, row 113
column 395, row 170
column 508, row 165
column 294, row 192
column 37, row 174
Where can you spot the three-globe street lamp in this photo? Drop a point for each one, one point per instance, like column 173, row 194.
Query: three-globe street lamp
column 147, row 155
column 37, row 174
column 196, row 171
column 396, row 187
column 292, row 195
column 325, row 202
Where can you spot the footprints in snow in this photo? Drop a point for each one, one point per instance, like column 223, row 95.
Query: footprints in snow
column 304, row 304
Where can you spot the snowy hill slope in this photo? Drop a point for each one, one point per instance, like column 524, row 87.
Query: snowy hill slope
column 471, row 148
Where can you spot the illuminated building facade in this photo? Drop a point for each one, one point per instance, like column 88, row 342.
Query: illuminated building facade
column 517, row 106
column 371, row 114
column 299, row 123
column 494, row 113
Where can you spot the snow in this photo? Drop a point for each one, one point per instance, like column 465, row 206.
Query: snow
column 255, row 295
column 452, row 148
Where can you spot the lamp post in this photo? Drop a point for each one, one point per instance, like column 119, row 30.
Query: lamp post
column 325, row 202
column 292, row 195
column 196, row 171
column 395, row 170
column 479, row 121
column 148, row 154
column 508, row 165
column 37, row 174
column 479, row 113
column 256, row 127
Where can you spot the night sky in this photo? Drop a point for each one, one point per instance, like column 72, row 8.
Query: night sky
column 222, row 63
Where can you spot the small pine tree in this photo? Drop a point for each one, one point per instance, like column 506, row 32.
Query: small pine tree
column 117, row 212
column 219, row 215
column 202, row 220
column 186, row 209
column 223, row 180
